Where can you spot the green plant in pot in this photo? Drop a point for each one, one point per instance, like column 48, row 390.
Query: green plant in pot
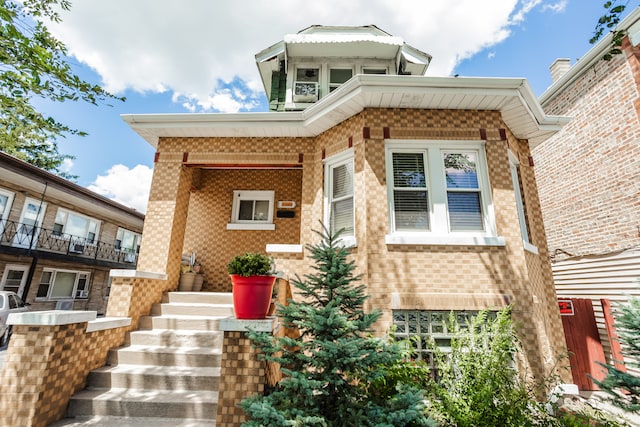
column 252, row 278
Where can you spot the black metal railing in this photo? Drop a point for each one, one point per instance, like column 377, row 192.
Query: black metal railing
column 29, row 237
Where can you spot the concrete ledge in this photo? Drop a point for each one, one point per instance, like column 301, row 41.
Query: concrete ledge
column 285, row 249
column 51, row 317
column 137, row 274
column 108, row 323
column 243, row 325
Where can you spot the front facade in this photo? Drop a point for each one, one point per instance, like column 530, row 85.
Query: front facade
column 430, row 179
column 58, row 241
column 588, row 176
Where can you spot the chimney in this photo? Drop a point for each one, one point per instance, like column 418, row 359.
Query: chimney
column 559, row 68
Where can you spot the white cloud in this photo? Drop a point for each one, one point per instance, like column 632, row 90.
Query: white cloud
column 127, row 186
column 199, row 49
column 67, row 165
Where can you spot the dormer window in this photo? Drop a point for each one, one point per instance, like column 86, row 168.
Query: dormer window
column 338, row 76
column 306, row 85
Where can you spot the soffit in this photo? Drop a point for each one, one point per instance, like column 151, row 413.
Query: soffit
column 512, row 97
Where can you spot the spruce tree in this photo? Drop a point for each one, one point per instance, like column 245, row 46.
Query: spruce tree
column 624, row 387
column 329, row 369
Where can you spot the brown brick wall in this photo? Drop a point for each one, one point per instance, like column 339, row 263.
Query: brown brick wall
column 456, row 276
column 588, row 172
column 35, row 386
column 241, row 376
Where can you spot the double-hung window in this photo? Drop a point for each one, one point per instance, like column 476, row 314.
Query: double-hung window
column 79, row 227
column 338, row 76
column 252, row 210
column 438, row 193
column 339, row 203
column 6, row 199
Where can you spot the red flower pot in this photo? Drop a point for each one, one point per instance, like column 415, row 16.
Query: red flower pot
column 252, row 295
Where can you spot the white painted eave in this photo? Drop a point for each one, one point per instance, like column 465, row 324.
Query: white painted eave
column 513, row 97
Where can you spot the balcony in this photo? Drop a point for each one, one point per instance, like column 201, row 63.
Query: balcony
column 25, row 238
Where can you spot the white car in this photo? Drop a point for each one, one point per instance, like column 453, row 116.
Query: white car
column 9, row 303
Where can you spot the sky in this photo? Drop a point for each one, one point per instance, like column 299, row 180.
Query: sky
column 199, row 56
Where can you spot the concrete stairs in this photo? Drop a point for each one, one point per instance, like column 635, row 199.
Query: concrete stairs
column 170, row 370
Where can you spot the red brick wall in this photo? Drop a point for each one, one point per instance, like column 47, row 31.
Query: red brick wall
column 589, row 173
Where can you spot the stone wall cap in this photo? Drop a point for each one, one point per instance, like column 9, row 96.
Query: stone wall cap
column 108, row 323
column 137, row 274
column 51, row 317
column 243, row 325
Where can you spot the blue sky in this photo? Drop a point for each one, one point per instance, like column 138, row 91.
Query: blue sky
column 198, row 56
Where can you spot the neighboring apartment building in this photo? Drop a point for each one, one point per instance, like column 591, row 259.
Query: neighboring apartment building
column 429, row 176
column 58, row 240
column 589, row 179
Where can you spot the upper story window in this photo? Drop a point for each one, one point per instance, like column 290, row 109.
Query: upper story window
column 128, row 241
column 339, row 195
column 518, row 190
column 6, row 199
column 76, row 225
column 439, row 193
column 338, row 76
column 252, row 210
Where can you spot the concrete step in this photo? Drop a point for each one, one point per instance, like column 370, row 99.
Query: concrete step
column 199, row 297
column 155, row 378
column 165, row 356
column 175, row 322
column 107, row 421
column 192, row 309
column 177, row 338
column 119, row 402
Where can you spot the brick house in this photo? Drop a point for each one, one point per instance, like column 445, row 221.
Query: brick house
column 430, row 177
column 58, row 240
column 588, row 179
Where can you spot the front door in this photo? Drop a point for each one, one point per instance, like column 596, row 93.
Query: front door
column 30, row 222
column 14, row 279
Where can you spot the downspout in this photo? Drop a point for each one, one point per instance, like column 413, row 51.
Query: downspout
column 34, row 260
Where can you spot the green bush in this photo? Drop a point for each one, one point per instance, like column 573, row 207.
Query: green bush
column 251, row 264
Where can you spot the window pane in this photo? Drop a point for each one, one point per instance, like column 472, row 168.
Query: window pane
column 14, row 279
column 63, row 286
column 339, row 75
column 307, row 74
column 3, row 203
column 411, row 210
column 261, row 210
column 460, row 170
column 465, row 212
column 77, row 226
column 342, row 180
column 246, row 210
column 374, row 71
column 408, row 170
column 342, row 216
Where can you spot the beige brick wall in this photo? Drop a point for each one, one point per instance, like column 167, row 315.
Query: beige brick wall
column 588, row 172
column 35, row 386
column 462, row 277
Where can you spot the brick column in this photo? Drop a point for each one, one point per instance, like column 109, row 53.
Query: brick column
column 134, row 292
column 166, row 217
column 241, row 374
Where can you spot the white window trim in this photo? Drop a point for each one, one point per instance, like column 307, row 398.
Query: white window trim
column 10, row 195
column 15, row 267
column 341, row 158
column 239, row 195
column 515, row 180
column 440, row 233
